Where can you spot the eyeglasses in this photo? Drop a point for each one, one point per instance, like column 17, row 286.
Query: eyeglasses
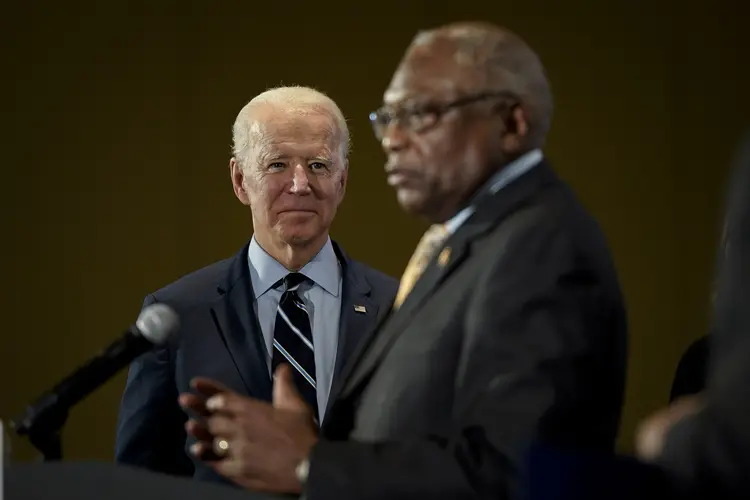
column 420, row 118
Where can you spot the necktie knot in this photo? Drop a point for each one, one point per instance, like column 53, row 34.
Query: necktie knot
column 432, row 239
column 293, row 280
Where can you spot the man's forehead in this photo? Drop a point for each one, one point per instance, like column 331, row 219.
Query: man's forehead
column 274, row 150
column 429, row 68
column 425, row 90
column 303, row 135
column 303, row 127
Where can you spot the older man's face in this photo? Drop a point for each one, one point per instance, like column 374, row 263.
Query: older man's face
column 294, row 179
column 437, row 164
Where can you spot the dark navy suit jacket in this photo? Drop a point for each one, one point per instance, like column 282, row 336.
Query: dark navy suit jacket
column 220, row 338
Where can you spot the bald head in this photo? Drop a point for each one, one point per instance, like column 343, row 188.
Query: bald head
column 250, row 125
column 489, row 58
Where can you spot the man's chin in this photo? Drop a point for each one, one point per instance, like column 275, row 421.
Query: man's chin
column 300, row 237
column 411, row 201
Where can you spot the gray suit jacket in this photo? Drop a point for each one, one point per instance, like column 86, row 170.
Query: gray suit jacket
column 515, row 333
column 220, row 338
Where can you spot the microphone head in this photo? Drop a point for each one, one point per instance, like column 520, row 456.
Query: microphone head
column 157, row 322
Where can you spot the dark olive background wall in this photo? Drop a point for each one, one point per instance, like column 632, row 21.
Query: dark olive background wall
column 116, row 134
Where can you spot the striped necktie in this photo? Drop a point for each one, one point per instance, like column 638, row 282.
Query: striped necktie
column 432, row 239
column 293, row 340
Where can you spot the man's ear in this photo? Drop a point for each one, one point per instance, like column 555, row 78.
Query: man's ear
column 238, row 181
column 516, row 130
column 343, row 180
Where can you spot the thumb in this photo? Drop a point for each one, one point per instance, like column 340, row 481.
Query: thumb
column 285, row 394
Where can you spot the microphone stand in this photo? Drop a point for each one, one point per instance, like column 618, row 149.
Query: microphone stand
column 43, row 423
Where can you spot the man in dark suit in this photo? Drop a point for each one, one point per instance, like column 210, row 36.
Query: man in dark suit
column 291, row 295
column 509, row 326
column 703, row 441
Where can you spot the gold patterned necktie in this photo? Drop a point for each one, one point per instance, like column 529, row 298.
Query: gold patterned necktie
column 432, row 239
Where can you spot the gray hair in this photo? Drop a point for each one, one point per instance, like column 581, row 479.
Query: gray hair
column 502, row 61
column 247, row 131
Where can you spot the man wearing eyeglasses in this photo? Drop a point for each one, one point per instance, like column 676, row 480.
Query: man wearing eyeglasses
column 509, row 325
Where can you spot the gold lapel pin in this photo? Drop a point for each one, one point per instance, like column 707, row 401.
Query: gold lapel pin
column 444, row 256
column 360, row 309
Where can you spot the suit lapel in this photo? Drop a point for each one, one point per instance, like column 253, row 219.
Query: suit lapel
column 359, row 312
column 238, row 327
column 490, row 211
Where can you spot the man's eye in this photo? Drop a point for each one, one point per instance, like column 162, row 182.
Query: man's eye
column 277, row 165
column 318, row 166
column 423, row 118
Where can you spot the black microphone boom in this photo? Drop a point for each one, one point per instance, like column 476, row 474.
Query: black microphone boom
column 43, row 419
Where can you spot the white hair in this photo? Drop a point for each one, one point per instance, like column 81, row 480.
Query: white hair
column 247, row 130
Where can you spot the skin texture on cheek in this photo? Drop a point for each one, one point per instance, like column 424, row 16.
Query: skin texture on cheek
column 469, row 159
column 446, row 158
column 272, row 194
column 256, row 187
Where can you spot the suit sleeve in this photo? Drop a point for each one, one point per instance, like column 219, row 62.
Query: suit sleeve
column 709, row 453
column 150, row 427
column 522, row 376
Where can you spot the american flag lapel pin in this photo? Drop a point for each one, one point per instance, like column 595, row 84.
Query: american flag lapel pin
column 360, row 309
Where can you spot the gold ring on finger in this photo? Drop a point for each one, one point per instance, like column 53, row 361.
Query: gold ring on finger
column 221, row 447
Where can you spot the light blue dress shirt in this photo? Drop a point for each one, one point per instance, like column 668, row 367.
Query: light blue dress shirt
column 322, row 296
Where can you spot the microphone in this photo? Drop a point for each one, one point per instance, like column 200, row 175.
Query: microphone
column 155, row 324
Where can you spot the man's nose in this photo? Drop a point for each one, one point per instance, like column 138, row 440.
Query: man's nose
column 300, row 179
column 394, row 138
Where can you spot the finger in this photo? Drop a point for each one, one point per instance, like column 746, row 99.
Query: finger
column 285, row 393
column 230, row 403
column 222, row 426
column 198, row 430
column 648, row 440
column 230, row 468
column 208, row 387
column 193, row 403
column 205, row 451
